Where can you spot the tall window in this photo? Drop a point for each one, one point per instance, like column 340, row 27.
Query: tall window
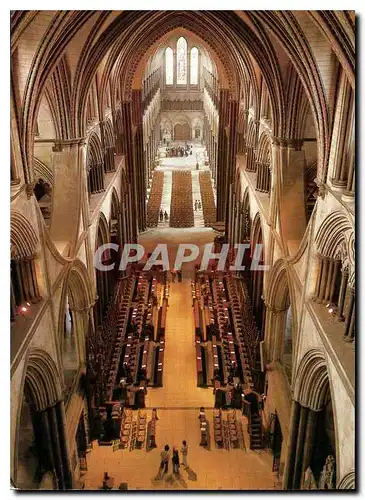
column 169, row 66
column 194, row 62
column 182, row 49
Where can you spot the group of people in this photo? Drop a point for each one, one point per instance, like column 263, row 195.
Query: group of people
column 197, row 205
column 164, row 216
column 165, row 458
column 179, row 151
column 178, row 273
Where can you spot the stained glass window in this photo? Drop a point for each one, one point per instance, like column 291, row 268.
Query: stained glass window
column 182, row 49
column 169, row 66
column 194, row 64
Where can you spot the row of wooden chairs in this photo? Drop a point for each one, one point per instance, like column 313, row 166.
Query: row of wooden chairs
column 207, row 196
column 154, row 200
column 182, row 213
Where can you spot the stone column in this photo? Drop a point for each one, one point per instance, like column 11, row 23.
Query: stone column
column 137, row 114
column 350, row 318
column 342, row 295
column 302, row 428
column 60, row 415
column 336, row 270
column 24, row 282
column 318, row 281
column 222, row 154
column 56, row 447
column 292, row 445
column 345, row 107
column 309, row 441
column 331, row 269
column 324, row 278
column 29, row 272
column 128, row 148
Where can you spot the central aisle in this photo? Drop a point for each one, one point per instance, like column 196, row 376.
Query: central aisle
column 179, row 374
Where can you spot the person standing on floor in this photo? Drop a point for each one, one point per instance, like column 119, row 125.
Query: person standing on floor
column 184, row 453
column 196, row 205
column 175, row 460
column 161, row 215
column 166, row 216
column 165, row 458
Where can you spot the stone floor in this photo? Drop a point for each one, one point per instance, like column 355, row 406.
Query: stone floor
column 186, row 163
column 178, row 403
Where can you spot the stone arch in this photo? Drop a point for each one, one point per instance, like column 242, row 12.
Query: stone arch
column 43, row 380
column 347, row 482
column 256, row 281
column 235, row 207
column 109, row 146
column 251, row 133
column 105, row 280
column 335, row 276
column 311, row 387
column 41, row 398
column 280, row 329
column 95, row 164
column 119, row 131
column 246, row 217
column 75, row 304
column 115, row 222
column 24, row 283
column 312, row 413
column 257, row 235
column 264, row 148
column 42, row 171
column 23, row 238
column 263, row 164
column 332, row 233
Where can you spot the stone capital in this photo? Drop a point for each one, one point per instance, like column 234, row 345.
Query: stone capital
column 60, row 144
column 295, row 144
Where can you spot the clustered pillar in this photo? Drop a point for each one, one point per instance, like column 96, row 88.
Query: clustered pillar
column 326, row 280
column 50, row 439
column 24, row 286
column 96, row 178
column 302, row 432
column 250, row 159
column 325, row 293
column 263, row 180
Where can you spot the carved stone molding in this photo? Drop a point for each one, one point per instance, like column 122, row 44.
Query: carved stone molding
column 60, row 144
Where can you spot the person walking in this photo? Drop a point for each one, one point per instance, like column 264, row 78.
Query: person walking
column 161, row 215
column 196, row 205
column 165, row 458
column 184, row 453
column 166, row 216
column 175, row 460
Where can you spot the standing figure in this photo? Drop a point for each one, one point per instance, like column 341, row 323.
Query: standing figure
column 175, row 460
column 184, row 453
column 196, row 205
column 166, row 216
column 161, row 215
column 165, row 458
